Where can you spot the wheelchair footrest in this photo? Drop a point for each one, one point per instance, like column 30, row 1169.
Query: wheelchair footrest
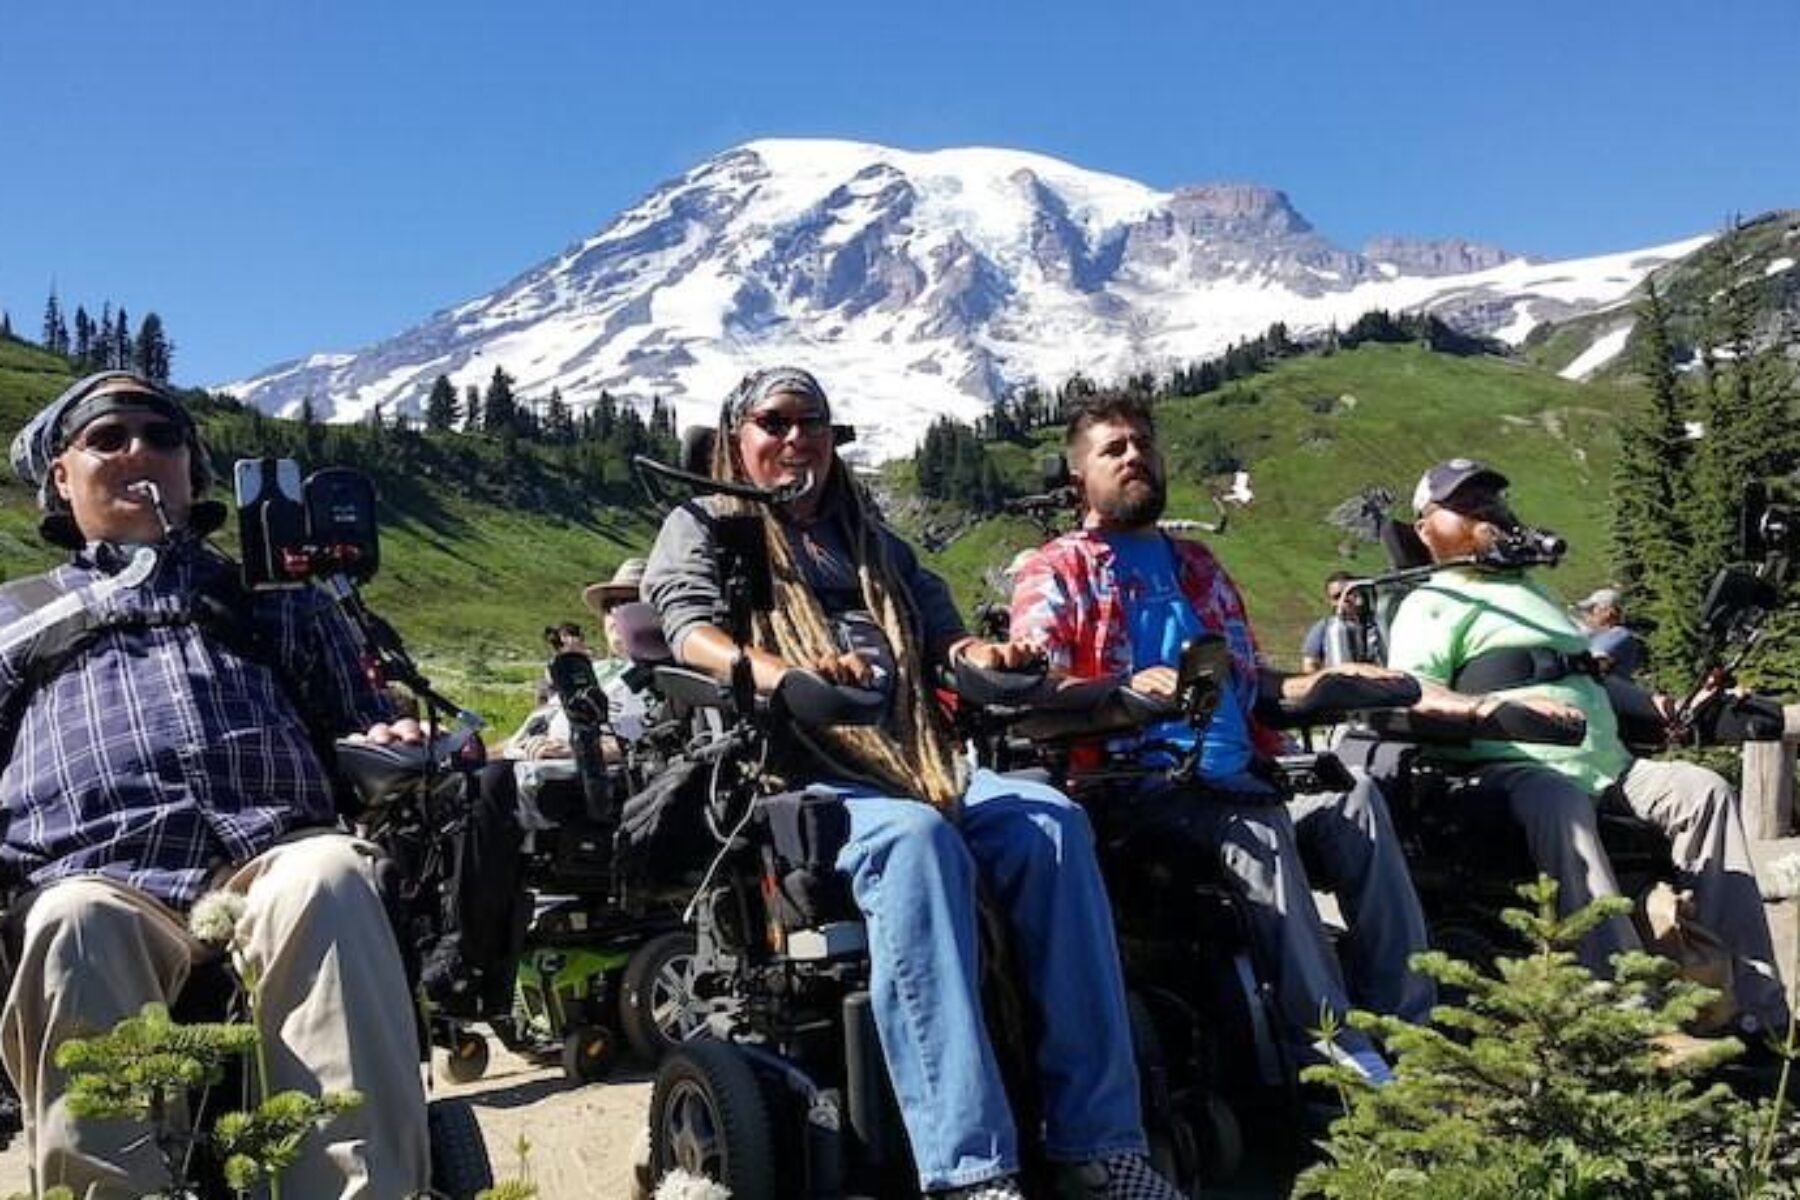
column 835, row 939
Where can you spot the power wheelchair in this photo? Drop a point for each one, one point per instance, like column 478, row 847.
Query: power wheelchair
column 600, row 865
column 791, row 1096
column 323, row 532
column 1466, row 854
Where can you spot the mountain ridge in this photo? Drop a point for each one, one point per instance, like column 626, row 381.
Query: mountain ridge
column 926, row 284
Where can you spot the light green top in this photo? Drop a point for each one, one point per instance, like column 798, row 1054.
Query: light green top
column 1459, row 615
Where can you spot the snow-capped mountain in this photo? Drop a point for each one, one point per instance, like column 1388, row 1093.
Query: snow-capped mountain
column 920, row 284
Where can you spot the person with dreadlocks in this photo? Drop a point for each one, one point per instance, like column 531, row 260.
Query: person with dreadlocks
column 853, row 603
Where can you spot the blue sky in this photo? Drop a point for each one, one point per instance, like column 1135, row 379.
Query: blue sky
column 280, row 178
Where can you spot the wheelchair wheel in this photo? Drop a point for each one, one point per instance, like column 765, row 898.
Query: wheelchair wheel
column 657, row 1006
column 459, row 1158
column 708, row 1118
column 588, row 1053
column 1175, row 1150
column 465, row 1059
column 1218, row 1138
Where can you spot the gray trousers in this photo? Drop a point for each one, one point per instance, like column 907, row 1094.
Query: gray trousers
column 1699, row 812
column 1273, row 855
column 334, row 1002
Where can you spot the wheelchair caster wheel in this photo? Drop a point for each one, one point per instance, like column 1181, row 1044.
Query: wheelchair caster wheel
column 588, row 1053
column 465, row 1059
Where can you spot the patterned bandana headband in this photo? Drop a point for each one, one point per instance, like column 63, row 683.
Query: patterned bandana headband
column 758, row 386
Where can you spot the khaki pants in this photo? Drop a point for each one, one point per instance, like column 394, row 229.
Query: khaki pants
column 334, row 1008
column 1699, row 812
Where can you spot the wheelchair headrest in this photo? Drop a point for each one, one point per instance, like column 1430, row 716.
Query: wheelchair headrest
column 641, row 630
column 1401, row 541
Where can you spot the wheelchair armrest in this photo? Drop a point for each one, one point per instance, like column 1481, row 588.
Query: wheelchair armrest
column 378, row 772
column 1332, row 698
column 810, row 699
column 987, row 688
column 1506, row 723
column 1119, row 710
column 688, row 688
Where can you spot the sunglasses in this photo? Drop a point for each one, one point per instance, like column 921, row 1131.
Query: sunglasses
column 779, row 425
column 114, row 437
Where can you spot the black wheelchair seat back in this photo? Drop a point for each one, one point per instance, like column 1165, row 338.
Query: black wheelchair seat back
column 806, row 831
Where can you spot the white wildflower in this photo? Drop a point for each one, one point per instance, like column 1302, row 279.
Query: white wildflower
column 679, row 1185
column 215, row 916
column 1783, row 878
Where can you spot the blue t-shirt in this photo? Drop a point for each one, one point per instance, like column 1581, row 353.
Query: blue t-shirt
column 1162, row 621
column 1622, row 649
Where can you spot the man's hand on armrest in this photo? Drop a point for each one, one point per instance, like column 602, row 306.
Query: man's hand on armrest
column 1158, row 683
column 1436, row 700
column 1296, row 688
column 994, row 656
column 406, row 732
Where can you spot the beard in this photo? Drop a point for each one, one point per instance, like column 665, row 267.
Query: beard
column 1136, row 505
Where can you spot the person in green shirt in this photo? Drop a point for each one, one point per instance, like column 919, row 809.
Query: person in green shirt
column 1462, row 614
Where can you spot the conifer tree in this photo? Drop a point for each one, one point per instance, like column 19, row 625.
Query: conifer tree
column 56, row 330
column 471, row 408
column 152, row 352
column 440, row 405
column 500, row 408
column 606, row 416
column 120, row 358
column 103, row 338
column 83, row 348
column 1652, row 544
column 559, row 422
column 6, row 331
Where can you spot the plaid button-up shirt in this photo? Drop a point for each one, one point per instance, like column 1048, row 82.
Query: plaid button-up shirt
column 162, row 753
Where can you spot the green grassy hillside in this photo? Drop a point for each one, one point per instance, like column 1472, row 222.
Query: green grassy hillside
column 481, row 551
column 1319, row 429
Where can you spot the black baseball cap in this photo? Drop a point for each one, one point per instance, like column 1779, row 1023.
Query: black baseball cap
column 1439, row 483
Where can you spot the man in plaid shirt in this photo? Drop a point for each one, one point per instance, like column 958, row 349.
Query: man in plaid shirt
column 170, row 748
column 1117, row 599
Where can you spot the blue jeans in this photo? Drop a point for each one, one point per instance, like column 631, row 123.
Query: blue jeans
column 915, row 876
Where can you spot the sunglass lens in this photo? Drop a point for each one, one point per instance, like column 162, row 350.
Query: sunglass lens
column 107, row 439
column 111, row 439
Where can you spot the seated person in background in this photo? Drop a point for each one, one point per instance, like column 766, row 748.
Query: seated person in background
column 625, row 707
column 1362, row 643
column 470, row 971
column 1618, row 650
column 852, row 602
column 1459, row 617
column 170, row 748
column 1118, row 598
column 544, row 733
